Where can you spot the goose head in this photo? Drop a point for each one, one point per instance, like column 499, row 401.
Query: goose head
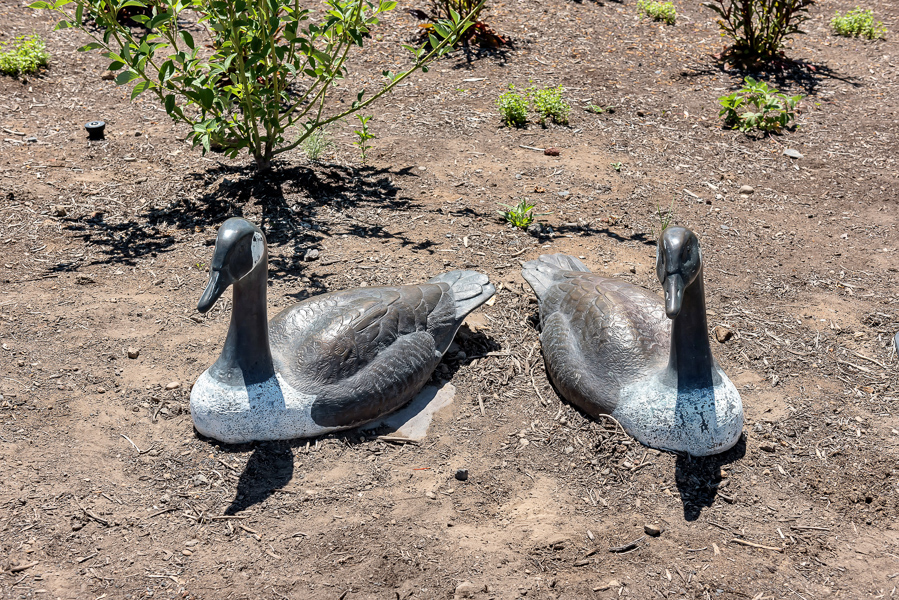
column 678, row 264
column 239, row 249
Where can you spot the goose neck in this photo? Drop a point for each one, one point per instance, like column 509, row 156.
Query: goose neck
column 690, row 361
column 246, row 356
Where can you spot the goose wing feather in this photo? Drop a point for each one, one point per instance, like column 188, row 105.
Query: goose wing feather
column 599, row 333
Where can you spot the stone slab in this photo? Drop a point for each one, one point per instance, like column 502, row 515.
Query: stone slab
column 414, row 420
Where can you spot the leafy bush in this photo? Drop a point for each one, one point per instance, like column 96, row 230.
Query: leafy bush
column 513, row 107
column 858, row 23
column 482, row 34
column 521, row 215
column 25, row 55
column 658, row 11
column 265, row 86
column 769, row 111
column 759, row 28
column 549, row 104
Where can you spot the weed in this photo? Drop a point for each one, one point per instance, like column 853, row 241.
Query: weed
column 769, row 110
column 364, row 135
column 759, row 28
column 596, row 110
column 25, row 54
column 266, row 85
column 513, row 108
column 549, row 104
column 521, row 215
column 665, row 218
column 480, row 32
column 858, row 23
column 317, row 144
column 658, row 11
column 617, row 166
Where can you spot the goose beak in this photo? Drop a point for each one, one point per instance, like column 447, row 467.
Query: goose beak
column 217, row 285
column 674, row 294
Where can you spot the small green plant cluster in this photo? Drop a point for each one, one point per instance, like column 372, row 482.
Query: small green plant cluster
column 658, row 11
column 364, row 135
column 766, row 108
column 521, row 215
column 317, row 144
column 759, row 28
column 513, row 107
column 547, row 103
column 858, row 23
column 25, row 54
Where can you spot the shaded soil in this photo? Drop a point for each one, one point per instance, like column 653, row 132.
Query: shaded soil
column 106, row 491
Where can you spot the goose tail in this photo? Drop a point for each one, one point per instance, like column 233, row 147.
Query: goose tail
column 470, row 290
column 542, row 273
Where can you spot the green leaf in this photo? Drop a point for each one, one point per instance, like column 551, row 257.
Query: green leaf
column 79, row 14
column 39, row 5
column 62, row 25
column 115, row 65
column 126, row 77
column 139, row 89
column 188, row 39
column 170, row 103
column 90, row 46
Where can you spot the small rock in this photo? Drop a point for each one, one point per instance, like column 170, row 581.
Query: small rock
column 107, row 76
column 653, row 530
column 130, row 159
column 311, row 254
column 563, row 194
column 84, row 279
column 557, row 542
column 569, row 449
column 722, row 334
column 186, row 552
column 767, row 447
column 133, row 352
column 174, row 385
column 59, row 211
column 31, row 140
column 138, row 133
column 523, row 441
column 633, row 269
column 747, row 189
column 792, row 153
column 77, row 525
column 613, row 583
column 462, row 474
column 467, row 589
column 431, row 495
column 551, row 152
column 535, row 229
column 101, row 390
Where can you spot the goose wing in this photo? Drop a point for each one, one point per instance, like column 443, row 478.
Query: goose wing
column 599, row 333
column 363, row 352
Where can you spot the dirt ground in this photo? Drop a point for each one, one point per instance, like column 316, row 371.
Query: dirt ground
column 107, row 492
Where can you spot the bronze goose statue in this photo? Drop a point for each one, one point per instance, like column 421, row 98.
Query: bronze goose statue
column 331, row 362
column 611, row 347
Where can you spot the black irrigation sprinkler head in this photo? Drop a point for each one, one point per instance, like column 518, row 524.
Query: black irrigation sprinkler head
column 95, row 130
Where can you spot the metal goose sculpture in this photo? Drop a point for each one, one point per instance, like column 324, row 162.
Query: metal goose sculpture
column 331, row 362
column 611, row 347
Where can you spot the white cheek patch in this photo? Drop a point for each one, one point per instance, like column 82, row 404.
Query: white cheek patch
column 256, row 248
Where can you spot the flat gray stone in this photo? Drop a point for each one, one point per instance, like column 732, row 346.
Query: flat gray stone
column 792, row 153
column 414, row 420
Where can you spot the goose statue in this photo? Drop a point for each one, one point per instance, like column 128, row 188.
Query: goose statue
column 331, row 362
column 609, row 349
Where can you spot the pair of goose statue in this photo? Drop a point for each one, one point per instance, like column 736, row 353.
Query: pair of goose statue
column 347, row 358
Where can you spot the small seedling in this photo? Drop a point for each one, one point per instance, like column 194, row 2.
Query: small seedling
column 364, row 135
column 665, row 218
column 596, row 110
column 617, row 166
column 318, row 143
column 858, row 23
column 513, row 108
column 520, row 215
column 25, row 54
column 771, row 110
column 658, row 11
column 549, row 104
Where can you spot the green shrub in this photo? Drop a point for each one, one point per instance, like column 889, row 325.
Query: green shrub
column 25, row 54
column 363, row 135
column 513, row 107
column 767, row 109
column 759, row 28
column 858, row 23
column 549, row 104
column 521, row 215
column 658, row 11
column 265, row 84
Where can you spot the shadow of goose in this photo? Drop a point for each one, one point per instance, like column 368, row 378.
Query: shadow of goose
column 698, row 479
column 269, row 469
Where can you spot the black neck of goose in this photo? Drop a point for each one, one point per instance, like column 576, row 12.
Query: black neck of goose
column 247, row 357
column 691, row 357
